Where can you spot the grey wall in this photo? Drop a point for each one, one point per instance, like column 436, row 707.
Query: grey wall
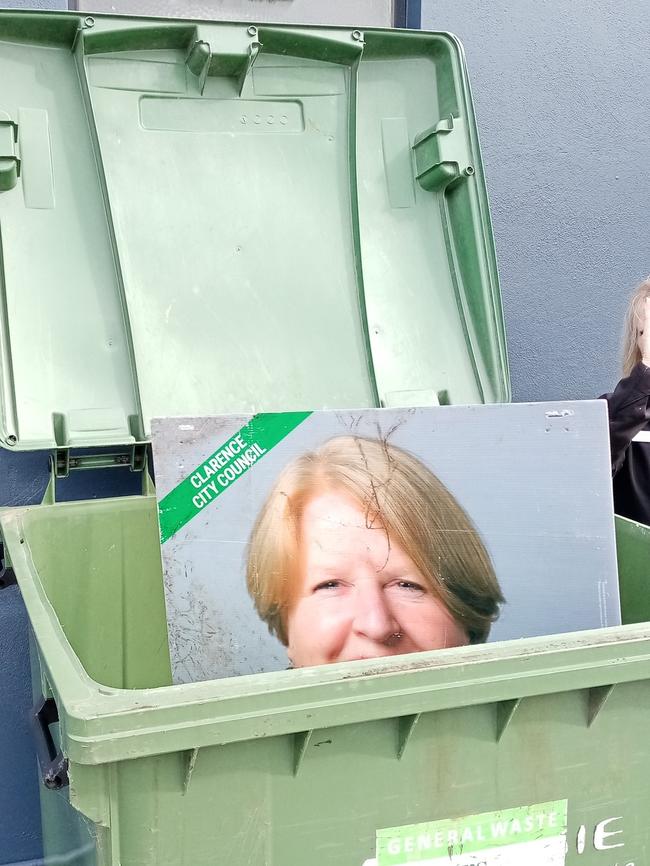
column 561, row 97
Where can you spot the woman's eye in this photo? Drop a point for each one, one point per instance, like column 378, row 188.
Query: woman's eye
column 410, row 586
column 327, row 584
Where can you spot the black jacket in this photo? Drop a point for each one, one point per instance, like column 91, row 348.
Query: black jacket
column 629, row 414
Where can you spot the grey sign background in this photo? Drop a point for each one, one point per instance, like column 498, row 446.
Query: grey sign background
column 560, row 90
column 534, row 478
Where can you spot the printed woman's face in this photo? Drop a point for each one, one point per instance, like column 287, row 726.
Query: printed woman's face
column 360, row 595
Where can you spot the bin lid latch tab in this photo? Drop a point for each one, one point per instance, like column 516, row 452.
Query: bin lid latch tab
column 9, row 161
column 442, row 154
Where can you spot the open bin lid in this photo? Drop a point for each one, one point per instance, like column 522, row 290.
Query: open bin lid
column 201, row 218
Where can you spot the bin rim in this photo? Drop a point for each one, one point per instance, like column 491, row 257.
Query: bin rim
column 102, row 724
column 138, row 17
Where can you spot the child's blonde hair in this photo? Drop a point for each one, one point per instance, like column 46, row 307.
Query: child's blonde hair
column 397, row 493
column 633, row 327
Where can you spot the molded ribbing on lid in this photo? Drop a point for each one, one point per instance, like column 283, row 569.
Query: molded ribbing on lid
column 9, row 430
column 354, row 203
column 136, row 422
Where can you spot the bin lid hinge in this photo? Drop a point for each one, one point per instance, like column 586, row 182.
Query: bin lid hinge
column 62, row 462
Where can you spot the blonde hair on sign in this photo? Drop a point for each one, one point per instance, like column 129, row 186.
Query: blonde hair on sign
column 397, row 492
column 633, row 325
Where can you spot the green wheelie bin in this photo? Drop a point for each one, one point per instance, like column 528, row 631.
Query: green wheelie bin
column 235, row 218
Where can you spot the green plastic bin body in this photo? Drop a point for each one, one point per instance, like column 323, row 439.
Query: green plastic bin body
column 304, row 766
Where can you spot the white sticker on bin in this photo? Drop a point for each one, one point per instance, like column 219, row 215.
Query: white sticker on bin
column 534, row 835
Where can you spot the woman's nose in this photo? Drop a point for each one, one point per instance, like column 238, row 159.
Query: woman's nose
column 373, row 617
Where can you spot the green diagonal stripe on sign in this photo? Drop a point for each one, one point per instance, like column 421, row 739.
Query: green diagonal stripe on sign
column 228, row 463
